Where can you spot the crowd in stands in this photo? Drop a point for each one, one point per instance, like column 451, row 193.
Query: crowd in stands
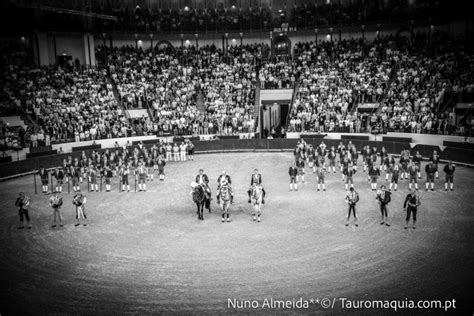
column 409, row 80
column 208, row 91
column 190, row 90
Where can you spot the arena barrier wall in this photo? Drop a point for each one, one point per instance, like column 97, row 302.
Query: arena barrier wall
column 5, row 159
column 460, row 155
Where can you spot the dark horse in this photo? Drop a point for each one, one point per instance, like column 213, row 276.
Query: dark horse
column 202, row 199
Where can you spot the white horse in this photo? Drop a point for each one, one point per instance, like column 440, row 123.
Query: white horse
column 256, row 194
column 225, row 199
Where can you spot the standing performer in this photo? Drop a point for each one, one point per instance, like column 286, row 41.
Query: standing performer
column 449, row 171
column 176, row 152
column 190, row 148
column 74, row 173
column 108, row 176
column 293, row 172
column 404, row 165
column 352, row 198
column 383, row 159
column 350, row 171
column 332, row 160
column 344, row 167
column 44, row 175
column 23, row 202
column 412, row 201
column 390, row 161
column 56, row 201
column 413, row 171
column 300, row 166
column 183, row 149
column 321, row 173
column 256, row 178
column 58, row 174
column 141, row 171
column 169, row 150
column 92, row 174
column 417, row 160
column 383, row 197
column 124, row 171
column 374, row 174
column 430, row 170
column 435, row 160
column 395, row 172
column 161, row 168
column 79, row 200
column 150, row 165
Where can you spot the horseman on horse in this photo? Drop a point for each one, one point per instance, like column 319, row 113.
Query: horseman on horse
column 224, row 179
column 256, row 194
column 256, row 179
column 225, row 195
column 203, row 180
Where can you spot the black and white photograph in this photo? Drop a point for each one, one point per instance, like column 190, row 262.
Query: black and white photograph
column 221, row 157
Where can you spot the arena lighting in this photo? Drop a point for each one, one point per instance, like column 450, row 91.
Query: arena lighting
column 22, row 38
column 139, row 42
column 186, row 8
column 187, row 42
column 233, row 40
column 233, row 7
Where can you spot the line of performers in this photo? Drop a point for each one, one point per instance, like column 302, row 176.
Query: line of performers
column 56, row 202
column 323, row 161
column 140, row 162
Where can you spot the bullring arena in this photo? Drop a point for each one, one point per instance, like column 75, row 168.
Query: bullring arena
column 121, row 121
column 147, row 251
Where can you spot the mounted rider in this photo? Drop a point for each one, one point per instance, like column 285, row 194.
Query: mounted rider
column 224, row 179
column 256, row 179
column 203, row 180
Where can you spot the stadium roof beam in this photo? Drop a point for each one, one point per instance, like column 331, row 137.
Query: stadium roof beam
column 66, row 11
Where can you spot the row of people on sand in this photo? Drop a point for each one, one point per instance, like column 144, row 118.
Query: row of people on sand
column 394, row 173
column 406, row 168
column 410, row 205
column 79, row 200
column 383, row 197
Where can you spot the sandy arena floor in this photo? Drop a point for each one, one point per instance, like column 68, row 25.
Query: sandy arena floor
column 147, row 252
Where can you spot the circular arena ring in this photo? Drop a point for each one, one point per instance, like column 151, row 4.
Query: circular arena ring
column 147, row 252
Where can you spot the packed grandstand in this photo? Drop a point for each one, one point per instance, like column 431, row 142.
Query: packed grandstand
column 415, row 79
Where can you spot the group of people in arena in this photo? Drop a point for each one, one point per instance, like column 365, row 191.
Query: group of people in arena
column 140, row 163
column 322, row 161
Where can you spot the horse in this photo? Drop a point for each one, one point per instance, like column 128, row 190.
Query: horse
column 256, row 194
column 202, row 199
column 225, row 199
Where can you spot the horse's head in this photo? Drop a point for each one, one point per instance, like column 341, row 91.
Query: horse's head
column 256, row 191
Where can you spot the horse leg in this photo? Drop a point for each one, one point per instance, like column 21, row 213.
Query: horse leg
column 201, row 212
column 227, row 210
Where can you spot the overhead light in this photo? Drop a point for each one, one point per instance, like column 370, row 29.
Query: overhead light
column 186, row 8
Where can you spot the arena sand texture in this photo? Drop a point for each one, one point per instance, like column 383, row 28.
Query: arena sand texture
column 147, row 252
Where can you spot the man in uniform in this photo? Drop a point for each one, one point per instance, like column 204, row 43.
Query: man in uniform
column 293, row 172
column 203, row 180
column 430, row 170
column 352, row 197
column 413, row 172
column 449, row 171
column 384, row 197
column 23, row 202
column 412, row 201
